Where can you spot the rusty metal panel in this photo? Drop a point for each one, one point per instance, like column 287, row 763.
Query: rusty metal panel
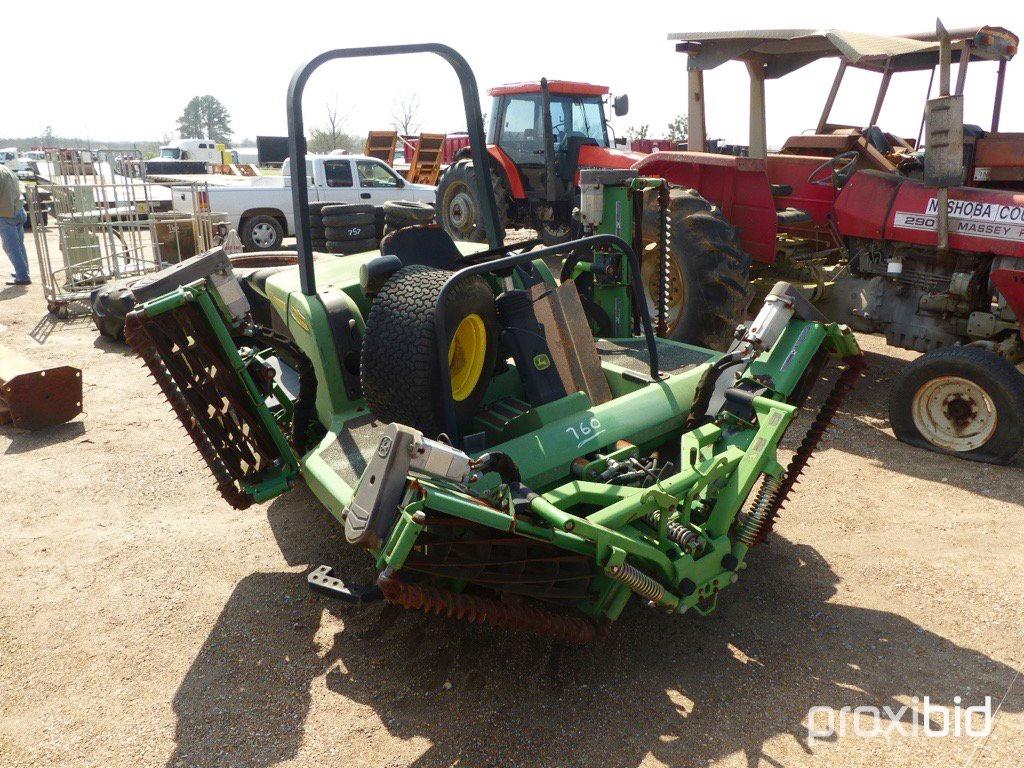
column 32, row 397
column 944, row 145
column 571, row 342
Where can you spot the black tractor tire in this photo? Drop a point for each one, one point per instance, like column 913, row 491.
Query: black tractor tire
column 556, row 233
column 352, row 246
column 262, row 233
column 407, row 213
column 709, row 289
column 378, row 220
column 316, row 209
column 399, row 366
column 110, row 303
column 458, row 204
column 348, row 219
column 346, row 209
column 962, row 401
column 351, row 232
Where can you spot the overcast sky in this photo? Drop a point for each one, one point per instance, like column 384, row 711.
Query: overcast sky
column 124, row 70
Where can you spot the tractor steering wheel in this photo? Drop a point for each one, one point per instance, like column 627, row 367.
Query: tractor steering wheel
column 841, row 168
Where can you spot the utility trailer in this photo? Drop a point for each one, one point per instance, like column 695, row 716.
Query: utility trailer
column 508, row 446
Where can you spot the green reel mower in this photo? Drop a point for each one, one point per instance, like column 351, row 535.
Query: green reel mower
column 509, row 447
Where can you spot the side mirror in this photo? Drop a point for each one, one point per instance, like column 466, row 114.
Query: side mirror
column 944, row 141
column 620, row 106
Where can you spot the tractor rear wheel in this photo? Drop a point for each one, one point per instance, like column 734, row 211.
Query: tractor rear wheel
column 399, row 367
column 458, row 202
column 963, row 401
column 708, row 271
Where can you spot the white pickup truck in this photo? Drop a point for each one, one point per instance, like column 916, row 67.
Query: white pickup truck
column 260, row 209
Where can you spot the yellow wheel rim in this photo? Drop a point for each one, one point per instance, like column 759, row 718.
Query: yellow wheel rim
column 466, row 355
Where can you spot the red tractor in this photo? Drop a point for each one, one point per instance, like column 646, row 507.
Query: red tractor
column 540, row 136
column 925, row 246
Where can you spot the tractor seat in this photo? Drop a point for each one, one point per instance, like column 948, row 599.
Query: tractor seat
column 426, row 244
column 788, row 217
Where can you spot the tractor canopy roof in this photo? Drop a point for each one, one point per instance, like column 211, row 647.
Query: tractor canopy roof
column 560, row 87
column 784, row 50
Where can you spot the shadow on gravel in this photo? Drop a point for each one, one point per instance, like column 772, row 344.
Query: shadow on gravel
column 23, row 441
column 686, row 690
column 105, row 344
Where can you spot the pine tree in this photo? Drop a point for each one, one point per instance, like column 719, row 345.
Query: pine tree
column 205, row 118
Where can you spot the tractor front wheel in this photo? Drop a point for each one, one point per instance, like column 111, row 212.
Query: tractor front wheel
column 964, row 401
column 708, row 270
column 458, row 202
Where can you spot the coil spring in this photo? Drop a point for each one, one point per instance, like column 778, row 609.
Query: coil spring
column 689, row 541
column 664, row 237
column 638, row 581
column 759, row 510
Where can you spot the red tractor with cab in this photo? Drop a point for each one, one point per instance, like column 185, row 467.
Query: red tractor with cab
column 920, row 241
column 540, row 136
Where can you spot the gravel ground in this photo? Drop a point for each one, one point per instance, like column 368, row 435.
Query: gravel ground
column 143, row 622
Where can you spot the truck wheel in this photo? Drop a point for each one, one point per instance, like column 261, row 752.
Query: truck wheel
column 962, row 401
column 458, row 202
column 399, row 360
column 262, row 233
column 708, row 271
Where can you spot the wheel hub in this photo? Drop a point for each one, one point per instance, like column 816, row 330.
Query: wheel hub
column 264, row 235
column 466, row 356
column 954, row 413
column 462, row 210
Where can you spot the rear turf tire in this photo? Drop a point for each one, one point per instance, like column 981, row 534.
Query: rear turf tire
column 962, row 401
column 709, row 271
column 399, row 366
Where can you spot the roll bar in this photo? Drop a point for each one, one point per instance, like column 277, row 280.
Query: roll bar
column 297, row 142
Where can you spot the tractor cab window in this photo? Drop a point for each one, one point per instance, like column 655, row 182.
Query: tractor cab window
column 378, row 175
column 588, row 119
column 575, row 116
column 522, row 129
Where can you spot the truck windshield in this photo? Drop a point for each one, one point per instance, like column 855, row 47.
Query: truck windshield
column 172, row 153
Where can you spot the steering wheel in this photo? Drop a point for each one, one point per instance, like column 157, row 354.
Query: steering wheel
column 841, row 168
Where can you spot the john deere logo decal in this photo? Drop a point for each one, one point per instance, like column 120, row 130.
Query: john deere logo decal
column 541, row 362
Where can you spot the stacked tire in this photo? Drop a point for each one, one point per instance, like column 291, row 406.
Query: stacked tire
column 407, row 213
column 316, row 226
column 349, row 228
